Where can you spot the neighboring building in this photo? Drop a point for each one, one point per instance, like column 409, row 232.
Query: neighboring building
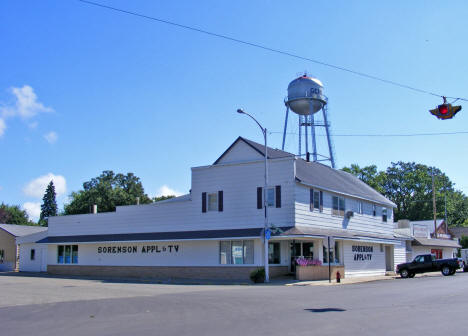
column 32, row 257
column 8, row 249
column 216, row 230
column 458, row 231
column 420, row 239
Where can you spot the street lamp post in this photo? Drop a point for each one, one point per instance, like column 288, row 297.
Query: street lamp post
column 265, row 202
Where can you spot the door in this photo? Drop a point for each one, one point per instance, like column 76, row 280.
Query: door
column 43, row 259
column 389, row 258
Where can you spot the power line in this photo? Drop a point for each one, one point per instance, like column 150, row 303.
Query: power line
column 278, row 51
column 383, row 135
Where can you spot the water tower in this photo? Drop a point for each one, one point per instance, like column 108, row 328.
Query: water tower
column 305, row 98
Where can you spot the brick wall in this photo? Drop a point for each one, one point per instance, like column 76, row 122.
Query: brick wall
column 163, row 272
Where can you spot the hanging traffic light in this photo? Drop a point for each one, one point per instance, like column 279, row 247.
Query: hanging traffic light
column 445, row 110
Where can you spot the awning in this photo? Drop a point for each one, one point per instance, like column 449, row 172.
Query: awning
column 436, row 242
column 156, row 236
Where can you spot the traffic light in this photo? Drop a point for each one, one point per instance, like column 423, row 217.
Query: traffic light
column 445, row 111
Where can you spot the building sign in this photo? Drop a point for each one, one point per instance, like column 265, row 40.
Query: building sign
column 362, row 252
column 420, row 231
column 135, row 249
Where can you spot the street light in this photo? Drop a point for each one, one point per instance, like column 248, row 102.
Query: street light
column 265, row 202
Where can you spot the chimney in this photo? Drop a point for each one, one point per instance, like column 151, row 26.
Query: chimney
column 94, row 208
column 138, row 201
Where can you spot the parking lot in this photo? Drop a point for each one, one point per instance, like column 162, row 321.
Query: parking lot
column 429, row 305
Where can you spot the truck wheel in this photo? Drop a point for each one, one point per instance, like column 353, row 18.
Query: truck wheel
column 453, row 272
column 404, row 273
column 465, row 269
column 446, row 270
column 411, row 275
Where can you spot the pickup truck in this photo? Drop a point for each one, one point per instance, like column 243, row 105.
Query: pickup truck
column 427, row 263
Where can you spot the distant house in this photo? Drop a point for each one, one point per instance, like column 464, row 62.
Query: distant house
column 420, row 238
column 458, row 232
column 8, row 248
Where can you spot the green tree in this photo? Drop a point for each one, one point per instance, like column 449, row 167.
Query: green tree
column 107, row 191
column 464, row 242
column 369, row 175
column 49, row 205
column 162, row 198
column 409, row 186
column 12, row 214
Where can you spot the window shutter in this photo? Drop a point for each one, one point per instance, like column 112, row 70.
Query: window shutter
column 321, row 200
column 278, row 196
column 311, row 199
column 220, row 200
column 203, row 201
column 259, row 198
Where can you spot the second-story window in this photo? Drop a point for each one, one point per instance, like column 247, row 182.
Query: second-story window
column 316, row 200
column 213, row 202
column 338, row 206
column 384, row 214
column 273, row 197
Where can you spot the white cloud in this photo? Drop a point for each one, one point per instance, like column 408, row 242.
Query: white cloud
column 36, row 188
column 166, row 191
column 2, row 127
column 51, row 137
column 33, row 209
column 26, row 104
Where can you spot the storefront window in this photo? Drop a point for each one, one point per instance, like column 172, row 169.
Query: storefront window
column 274, row 253
column 308, row 250
column 236, row 252
column 67, row 254
column 60, row 255
column 334, row 254
column 225, row 252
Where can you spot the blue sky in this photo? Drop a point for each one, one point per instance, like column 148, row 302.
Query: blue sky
column 84, row 89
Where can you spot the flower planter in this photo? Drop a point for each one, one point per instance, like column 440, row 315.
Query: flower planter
column 317, row 272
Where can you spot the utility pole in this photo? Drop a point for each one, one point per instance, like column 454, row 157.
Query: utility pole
column 434, row 205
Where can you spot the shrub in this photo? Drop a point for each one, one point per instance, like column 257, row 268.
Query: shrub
column 258, row 276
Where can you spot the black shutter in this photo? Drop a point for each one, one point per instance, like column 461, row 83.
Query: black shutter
column 311, row 197
column 220, row 200
column 203, row 202
column 259, row 198
column 321, row 201
column 278, row 196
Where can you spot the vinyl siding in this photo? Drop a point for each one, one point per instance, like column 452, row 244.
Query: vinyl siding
column 354, row 268
column 399, row 253
column 239, row 183
column 365, row 222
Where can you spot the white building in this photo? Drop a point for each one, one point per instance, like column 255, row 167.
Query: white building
column 418, row 238
column 216, row 230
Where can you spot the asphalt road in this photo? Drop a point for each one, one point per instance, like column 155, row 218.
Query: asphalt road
column 50, row 306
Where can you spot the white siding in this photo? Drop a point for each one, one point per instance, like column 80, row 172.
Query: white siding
column 365, row 222
column 399, row 252
column 241, row 152
column 239, row 185
column 39, row 262
column 353, row 268
column 189, row 253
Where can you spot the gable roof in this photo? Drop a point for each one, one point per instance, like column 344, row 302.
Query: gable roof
column 324, row 177
column 21, row 230
column 260, row 149
column 319, row 175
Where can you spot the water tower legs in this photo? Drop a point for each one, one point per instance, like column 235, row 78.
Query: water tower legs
column 327, row 130
column 285, row 126
column 312, row 130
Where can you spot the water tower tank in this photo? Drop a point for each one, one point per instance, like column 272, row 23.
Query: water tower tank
column 305, row 95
